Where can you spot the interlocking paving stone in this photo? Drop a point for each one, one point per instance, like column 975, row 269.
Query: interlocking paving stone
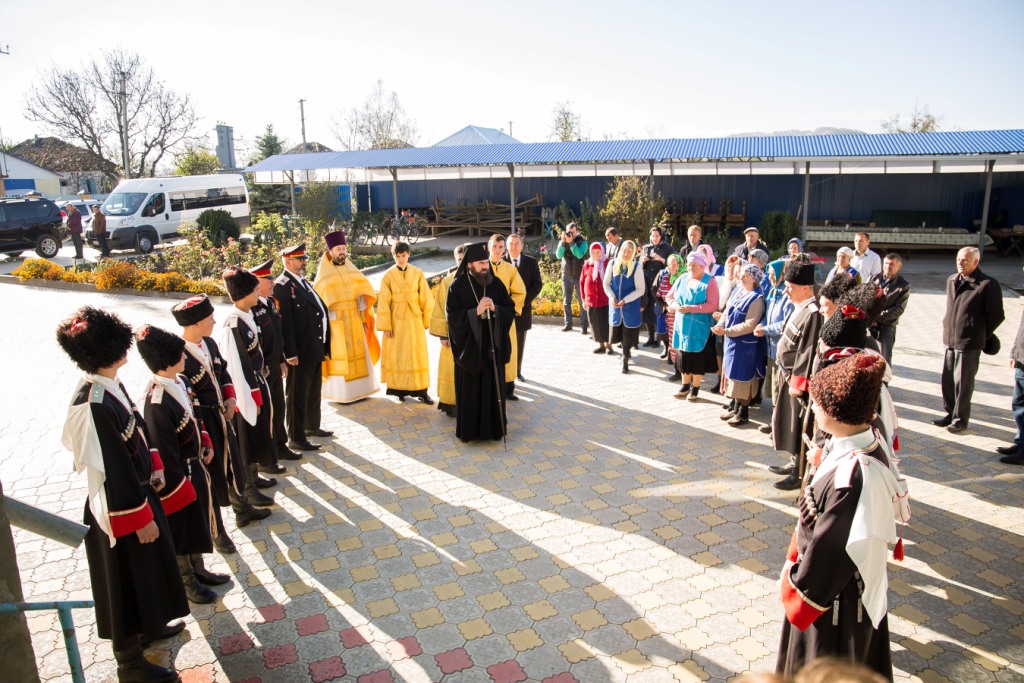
column 602, row 545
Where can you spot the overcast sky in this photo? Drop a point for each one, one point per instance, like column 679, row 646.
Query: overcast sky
column 639, row 68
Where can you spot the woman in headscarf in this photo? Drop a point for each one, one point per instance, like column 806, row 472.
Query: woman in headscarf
column 728, row 286
column 624, row 285
column 744, row 358
column 715, row 269
column 595, row 301
column 694, row 299
column 666, row 317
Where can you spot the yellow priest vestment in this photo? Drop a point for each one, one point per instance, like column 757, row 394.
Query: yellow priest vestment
column 509, row 276
column 348, row 372
column 403, row 308
column 439, row 328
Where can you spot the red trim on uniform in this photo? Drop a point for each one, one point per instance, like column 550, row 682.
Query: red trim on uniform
column 799, row 611
column 799, row 383
column 179, row 497
column 205, row 439
column 257, row 396
column 129, row 521
column 228, row 390
column 158, row 462
column 896, row 441
column 792, row 553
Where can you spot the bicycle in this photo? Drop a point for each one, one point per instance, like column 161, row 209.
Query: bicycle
column 409, row 228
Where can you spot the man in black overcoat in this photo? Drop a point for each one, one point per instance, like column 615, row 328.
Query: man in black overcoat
column 307, row 338
column 974, row 309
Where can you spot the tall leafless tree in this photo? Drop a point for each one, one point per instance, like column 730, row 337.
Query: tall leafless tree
column 379, row 123
column 84, row 107
column 567, row 125
column 920, row 120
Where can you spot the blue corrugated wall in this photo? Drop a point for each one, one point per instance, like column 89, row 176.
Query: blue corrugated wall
column 835, row 197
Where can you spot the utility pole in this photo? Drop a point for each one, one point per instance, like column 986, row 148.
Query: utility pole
column 3, row 164
column 302, row 115
column 125, row 156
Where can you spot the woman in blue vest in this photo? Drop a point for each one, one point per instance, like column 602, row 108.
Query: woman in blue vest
column 694, row 299
column 624, row 285
column 744, row 361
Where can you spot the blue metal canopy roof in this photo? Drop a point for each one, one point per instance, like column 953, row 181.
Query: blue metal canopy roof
column 818, row 147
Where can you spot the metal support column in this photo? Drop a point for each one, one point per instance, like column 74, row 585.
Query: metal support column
column 291, row 188
column 394, row 191
column 807, row 199
column 512, row 195
column 15, row 640
column 650, row 195
column 984, row 207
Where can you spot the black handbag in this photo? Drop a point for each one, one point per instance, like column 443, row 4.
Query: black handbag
column 992, row 345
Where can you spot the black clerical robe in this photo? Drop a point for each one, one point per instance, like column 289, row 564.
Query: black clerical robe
column 478, row 346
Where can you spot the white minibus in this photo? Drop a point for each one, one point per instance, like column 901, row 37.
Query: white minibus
column 143, row 212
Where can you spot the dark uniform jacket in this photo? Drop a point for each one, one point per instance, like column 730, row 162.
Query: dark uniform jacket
column 529, row 270
column 303, row 321
column 897, row 294
column 180, row 438
column 268, row 317
column 974, row 309
column 797, row 347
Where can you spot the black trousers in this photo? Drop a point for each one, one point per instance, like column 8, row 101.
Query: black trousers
column 277, row 401
column 302, row 393
column 520, row 345
column 958, row 371
column 76, row 239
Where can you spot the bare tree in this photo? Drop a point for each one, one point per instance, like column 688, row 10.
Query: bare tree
column 84, row 107
column 921, row 120
column 567, row 126
column 380, row 123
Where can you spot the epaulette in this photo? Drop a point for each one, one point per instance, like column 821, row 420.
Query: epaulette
column 813, row 306
column 97, row 393
column 157, row 396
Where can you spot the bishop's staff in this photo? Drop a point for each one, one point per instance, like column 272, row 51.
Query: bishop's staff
column 498, row 384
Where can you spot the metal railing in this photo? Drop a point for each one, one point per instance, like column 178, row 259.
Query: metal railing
column 67, row 627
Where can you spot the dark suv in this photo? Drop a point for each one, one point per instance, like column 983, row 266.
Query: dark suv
column 30, row 223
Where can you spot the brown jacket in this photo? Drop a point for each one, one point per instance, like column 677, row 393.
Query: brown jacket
column 99, row 223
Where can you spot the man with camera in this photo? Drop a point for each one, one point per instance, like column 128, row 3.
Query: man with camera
column 572, row 251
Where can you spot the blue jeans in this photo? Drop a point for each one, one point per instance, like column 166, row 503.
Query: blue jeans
column 886, row 338
column 571, row 285
column 1017, row 405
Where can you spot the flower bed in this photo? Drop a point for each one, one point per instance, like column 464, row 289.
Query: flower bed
column 117, row 275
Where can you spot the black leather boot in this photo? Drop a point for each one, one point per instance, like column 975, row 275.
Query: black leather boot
column 625, row 365
column 205, row 575
column 194, row 591
column 252, row 495
column 133, row 667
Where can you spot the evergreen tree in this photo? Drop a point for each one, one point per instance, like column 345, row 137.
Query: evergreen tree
column 268, row 198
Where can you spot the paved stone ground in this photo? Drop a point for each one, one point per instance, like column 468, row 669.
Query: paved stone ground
column 620, row 536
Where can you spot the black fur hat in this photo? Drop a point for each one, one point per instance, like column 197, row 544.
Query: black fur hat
column 868, row 297
column 94, row 339
column 848, row 390
column 848, row 326
column 240, row 283
column 834, row 289
column 192, row 310
column 799, row 270
column 159, row 349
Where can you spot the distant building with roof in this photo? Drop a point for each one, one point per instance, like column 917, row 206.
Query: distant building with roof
column 476, row 135
column 79, row 169
column 307, row 148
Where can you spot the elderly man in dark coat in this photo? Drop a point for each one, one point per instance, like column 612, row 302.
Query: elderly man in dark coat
column 795, row 355
column 974, row 309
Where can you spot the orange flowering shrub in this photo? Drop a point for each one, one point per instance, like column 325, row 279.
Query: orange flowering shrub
column 33, row 269
column 80, row 276
column 171, row 282
column 117, row 274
